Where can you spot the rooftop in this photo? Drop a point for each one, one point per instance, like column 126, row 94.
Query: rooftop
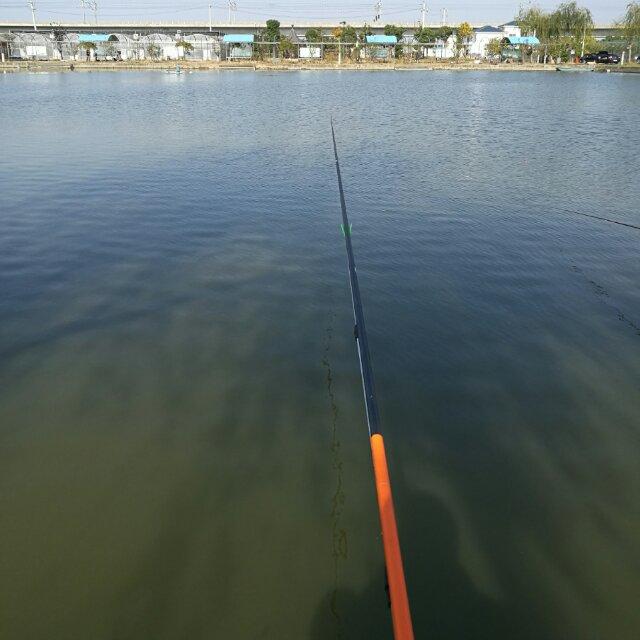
column 488, row 29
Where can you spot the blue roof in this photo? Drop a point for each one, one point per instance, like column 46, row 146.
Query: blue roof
column 530, row 40
column 382, row 40
column 238, row 38
column 488, row 29
column 93, row 37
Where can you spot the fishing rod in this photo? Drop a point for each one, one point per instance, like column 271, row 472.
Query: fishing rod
column 400, row 611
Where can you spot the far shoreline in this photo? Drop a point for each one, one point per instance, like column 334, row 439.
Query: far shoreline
column 285, row 66
column 191, row 65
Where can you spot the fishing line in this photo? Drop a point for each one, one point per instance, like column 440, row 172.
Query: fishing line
column 605, row 298
column 588, row 215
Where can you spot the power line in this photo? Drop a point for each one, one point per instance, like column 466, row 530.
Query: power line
column 299, row 12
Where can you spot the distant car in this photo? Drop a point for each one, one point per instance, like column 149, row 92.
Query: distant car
column 638, row 59
column 602, row 57
column 590, row 57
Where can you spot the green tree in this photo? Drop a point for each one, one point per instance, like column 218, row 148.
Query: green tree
column 568, row 28
column 393, row 30
column 464, row 33
column 398, row 32
column 154, row 51
column 272, row 31
column 560, row 46
column 364, row 32
column 444, row 33
column 535, row 22
column 59, row 36
column 631, row 23
column 425, row 35
column 313, row 35
column 349, row 34
column 286, row 47
column 571, row 20
column 186, row 47
column 495, row 47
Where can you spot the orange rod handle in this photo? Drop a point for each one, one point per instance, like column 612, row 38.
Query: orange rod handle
column 400, row 612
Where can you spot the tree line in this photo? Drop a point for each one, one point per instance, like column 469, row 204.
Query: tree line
column 347, row 34
column 569, row 28
column 565, row 31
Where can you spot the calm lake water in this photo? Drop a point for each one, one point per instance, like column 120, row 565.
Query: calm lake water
column 183, row 450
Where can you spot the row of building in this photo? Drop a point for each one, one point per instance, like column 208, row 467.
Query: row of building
column 63, row 45
column 41, row 45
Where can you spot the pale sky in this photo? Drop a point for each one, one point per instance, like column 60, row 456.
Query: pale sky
column 292, row 11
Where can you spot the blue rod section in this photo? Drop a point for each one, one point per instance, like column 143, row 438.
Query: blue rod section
column 366, row 371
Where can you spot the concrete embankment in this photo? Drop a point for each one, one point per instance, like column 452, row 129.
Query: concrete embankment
column 616, row 69
column 284, row 65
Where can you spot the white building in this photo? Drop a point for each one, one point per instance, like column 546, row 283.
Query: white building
column 481, row 39
column 443, row 49
column 484, row 35
column 511, row 30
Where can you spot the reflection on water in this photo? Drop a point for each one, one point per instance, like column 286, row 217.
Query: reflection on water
column 338, row 533
column 183, row 450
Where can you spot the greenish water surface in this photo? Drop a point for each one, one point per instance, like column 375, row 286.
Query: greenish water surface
column 183, row 450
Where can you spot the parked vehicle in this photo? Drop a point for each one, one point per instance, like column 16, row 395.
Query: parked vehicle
column 602, row 57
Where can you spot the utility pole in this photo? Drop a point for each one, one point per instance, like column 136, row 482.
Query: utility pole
column 83, row 6
column 210, row 26
column 32, row 6
column 377, row 11
column 93, row 5
column 444, row 17
column 424, row 13
column 232, row 7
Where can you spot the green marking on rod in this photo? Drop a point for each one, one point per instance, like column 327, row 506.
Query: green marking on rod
column 350, row 229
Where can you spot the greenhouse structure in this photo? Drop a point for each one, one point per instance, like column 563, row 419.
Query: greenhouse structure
column 31, row 46
column 40, row 45
column 204, row 47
